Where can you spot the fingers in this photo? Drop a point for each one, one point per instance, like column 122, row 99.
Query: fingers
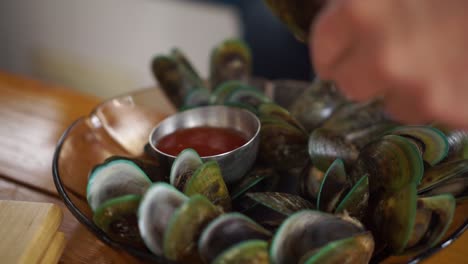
column 449, row 107
column 344, row 50
column 404, row 105
column 331, row 38
column 398, row 50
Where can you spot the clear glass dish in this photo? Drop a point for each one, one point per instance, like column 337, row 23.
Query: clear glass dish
column 121, row 126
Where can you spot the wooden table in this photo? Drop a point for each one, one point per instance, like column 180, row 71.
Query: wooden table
column 33, row 115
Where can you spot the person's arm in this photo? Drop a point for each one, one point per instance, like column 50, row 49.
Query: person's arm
column 415, row 53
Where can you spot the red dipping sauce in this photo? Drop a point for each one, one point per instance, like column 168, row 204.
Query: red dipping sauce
column 207, row 141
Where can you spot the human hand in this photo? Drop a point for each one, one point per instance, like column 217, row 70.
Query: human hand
column 414, row 53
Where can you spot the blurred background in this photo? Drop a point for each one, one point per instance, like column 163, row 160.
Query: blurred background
column 104, row 47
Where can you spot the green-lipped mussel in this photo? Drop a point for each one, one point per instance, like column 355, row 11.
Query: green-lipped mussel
column 389, row 186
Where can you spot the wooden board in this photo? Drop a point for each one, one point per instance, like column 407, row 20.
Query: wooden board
column 55, row 249
column 27, row 229
column 82, row 246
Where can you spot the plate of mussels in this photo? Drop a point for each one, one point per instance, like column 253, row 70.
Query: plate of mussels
column 333, row 181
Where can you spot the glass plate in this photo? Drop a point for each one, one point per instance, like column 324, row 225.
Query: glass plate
column 121, row 126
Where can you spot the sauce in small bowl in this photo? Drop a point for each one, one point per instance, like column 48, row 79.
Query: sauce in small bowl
column 228, row 135
column 205, row 140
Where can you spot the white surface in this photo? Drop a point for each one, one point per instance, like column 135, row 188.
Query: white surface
column 104, row 47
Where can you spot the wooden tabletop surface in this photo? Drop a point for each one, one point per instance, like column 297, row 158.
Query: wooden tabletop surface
column 33, row 115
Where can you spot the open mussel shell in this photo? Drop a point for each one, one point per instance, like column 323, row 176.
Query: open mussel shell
column 310, row 181
column 118, row 218
column 435, row 214
column 282, row 145
column 306, row 231
column 151, row 168
column 297, row 15
column 356, row 249
column 246, row 96
column 334, row 186
column 155, row 211
column 223, row 90
column 391, row 163
column 259, row 179
column 183, row 167
column 248, row 252
column 208, row 181
column 355, row 203
column 458, row 187
column 185, row 227
column 276, row 111
column 113, row 179
column 449, row 177
column 394, row 217
column 316, row 104
column 432, row 142
column 226, row 231
column 325, row 146
column 230, row 60
column 195, row 98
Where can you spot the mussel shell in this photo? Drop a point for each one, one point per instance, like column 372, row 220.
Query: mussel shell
column 183, row 167
column 316, row 104
column 458, row 143
column 356, row 116
column 117, row 217
column 155, row 211
column 458, row 187
column 175, row 80
column 179, row 56
column 334, row 185
column 434, row 143
column 283, row 146
column 153, row 170
column 445, row 174
column 297, row 15
column 195, row 98
column 306, row 231
column 421, row 224
column 325, row 147
column 282, row 203
column 208, row 181
column 226, row 231
column 185, row 227
column 310, row 182
column 360, row 123
column 356, row 249
column 391, row 163
column 394, row 217
column 270, row 209
column 230, row 60
column 113, row 179
column 248, row 252
column 259, row 179
column 355, row 203
column 219, row 94
column 441, row 210
column 246, row 96
column 276, row 111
